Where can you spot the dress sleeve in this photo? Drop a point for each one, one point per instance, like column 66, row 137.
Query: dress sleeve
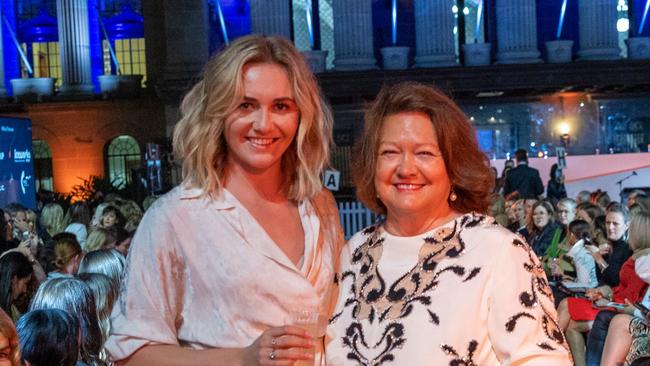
column 150, row 299
column 522, row 321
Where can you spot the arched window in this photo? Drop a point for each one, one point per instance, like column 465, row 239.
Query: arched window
column 123, row 155
column 42, row 165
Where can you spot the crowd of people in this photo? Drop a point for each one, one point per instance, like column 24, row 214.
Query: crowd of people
column 60, row 274
column 594, row 252
column 224, row 266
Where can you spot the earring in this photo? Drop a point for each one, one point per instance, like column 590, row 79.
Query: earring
column 453, row 196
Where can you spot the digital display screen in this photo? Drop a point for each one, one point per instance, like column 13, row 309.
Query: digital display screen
column 16, row 162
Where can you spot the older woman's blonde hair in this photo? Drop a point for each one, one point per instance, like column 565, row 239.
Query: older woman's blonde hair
column 8, row 330
column 199, row 135
column 52, row 218
column 639, row 231
column 467, row 167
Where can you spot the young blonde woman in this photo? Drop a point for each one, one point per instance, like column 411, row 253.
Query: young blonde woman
column 250, row 235
column 67, row 255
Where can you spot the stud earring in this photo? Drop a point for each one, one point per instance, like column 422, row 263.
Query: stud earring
column 453, row 196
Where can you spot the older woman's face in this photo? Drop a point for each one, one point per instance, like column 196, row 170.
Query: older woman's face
column 411, row 178
column 565, row 213
column 265, row 122
column 541, row 217
column 5, row 351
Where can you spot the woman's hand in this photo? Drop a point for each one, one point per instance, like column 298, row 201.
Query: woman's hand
column 279, row 346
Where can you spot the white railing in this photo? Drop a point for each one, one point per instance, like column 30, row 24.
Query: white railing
column 354, row 217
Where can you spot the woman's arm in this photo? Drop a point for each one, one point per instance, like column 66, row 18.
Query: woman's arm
column 276, row 346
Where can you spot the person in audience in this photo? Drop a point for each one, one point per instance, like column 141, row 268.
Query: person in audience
column 111, row 216
column 75, row 297
column 610, row 257
column 5, row 232
column 523, row 179
column 588, row 211
column 410, row 291
column 566, row 211
column 104, row 291
column 555, row 189
column 497, row 209
column 108, row 262
column 96, row 219
column 66, row 258
column 543, row 229
column 99, row 238
column 613, row 331
column 122, row 239
column 633, row 196
column 254, row 136
column 52, row 220
column 48, row 337
column 641, row 203
column 15, row 273
column 519, row 225
column 17, row 215
column 583, row 197
column 9, row 346
column 132, row 214
column 77, row 220
column 600, row 198
column 583, row 265
column 577, row 315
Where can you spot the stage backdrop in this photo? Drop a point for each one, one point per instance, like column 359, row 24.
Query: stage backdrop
column 16, row 162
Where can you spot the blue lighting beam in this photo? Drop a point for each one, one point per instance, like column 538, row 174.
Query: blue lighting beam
column 23, row 56
column 479, row 17
column 310, row 26
column 645, row 16
column 222, row 22
column 560, row 24
column 394, row 22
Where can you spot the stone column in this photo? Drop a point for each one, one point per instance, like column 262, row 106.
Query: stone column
column 516, row 32
column 598, row 34
column 271, row 17
column 434, row 36
column 353, row 46
column 74, row 46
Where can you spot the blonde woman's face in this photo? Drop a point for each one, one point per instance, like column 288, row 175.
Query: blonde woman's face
column 265, row 122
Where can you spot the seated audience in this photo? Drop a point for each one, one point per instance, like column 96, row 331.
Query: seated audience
column 67, row 256
column 543, row 228
column 15, row 273
column 75, row 297
column 108, row 262
column 49, row 337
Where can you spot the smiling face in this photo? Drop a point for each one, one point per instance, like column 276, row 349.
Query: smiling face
column 265, row 122
column 410, row 177
column 541, row 217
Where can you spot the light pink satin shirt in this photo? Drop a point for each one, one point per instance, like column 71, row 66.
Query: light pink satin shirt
column 203, row 273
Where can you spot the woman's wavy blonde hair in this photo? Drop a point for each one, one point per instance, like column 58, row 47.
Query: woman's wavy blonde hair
column 52, row 218
column 199, row 135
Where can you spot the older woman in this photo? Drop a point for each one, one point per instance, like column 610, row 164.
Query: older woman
column 219, row 263
column 437, row 282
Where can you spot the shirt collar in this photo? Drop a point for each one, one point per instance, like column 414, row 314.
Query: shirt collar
column 225, row 200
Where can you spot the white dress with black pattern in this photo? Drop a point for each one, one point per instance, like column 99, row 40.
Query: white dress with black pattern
column 467, row 293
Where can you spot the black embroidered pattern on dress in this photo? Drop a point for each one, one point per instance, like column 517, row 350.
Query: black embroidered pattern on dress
column 371, row 299
column 531, row 299
column 467, row 360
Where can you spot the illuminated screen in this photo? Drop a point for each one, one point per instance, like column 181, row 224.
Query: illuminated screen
column 16, row 163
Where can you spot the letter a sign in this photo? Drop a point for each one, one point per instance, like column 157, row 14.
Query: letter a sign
column 331, row 179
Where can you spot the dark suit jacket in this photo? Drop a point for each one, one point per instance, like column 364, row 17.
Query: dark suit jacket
column 524, row 180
